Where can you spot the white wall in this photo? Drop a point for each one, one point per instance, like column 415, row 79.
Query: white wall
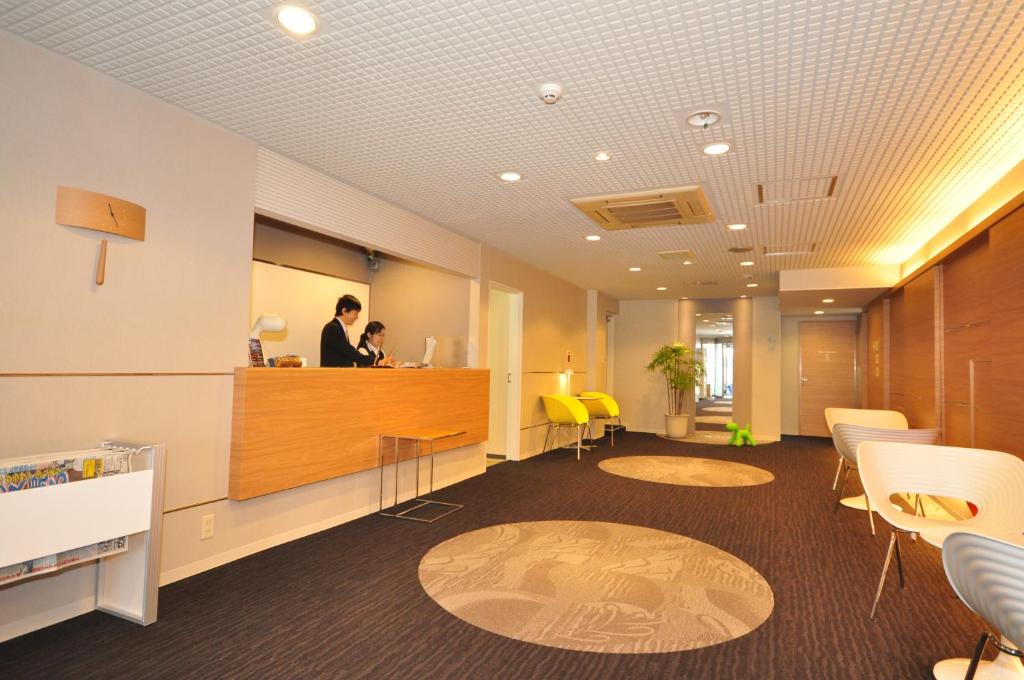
column 640, row 328
column 306, row 301
column 149, row 355
column 644, row 325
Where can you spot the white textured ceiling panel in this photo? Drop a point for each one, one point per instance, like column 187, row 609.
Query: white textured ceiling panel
column 917, row 106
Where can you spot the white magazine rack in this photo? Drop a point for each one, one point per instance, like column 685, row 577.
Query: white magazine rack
column 68, row 516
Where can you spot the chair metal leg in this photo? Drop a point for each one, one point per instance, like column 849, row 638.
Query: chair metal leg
column 871, row 515
column 839, row 468
column 547, row 434
column 976, row 659
column 839, row 496
column 579, row 438
column 885, row 569
column 899, row 560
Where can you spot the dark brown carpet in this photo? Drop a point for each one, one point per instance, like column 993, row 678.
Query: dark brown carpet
column 347, row 603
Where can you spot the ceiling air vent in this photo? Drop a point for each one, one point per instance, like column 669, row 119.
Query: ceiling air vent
column 657, row 208
column 792, row 190
column 676, row 255
column 792, row 249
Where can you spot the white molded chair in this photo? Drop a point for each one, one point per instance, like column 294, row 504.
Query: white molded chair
column 848, row 438
column 987, row 573
column 991, row 480
column 892, row 420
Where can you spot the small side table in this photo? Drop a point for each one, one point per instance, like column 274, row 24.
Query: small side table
column 418, row 438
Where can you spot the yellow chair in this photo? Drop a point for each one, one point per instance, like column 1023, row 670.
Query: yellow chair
column 603, row 407
column 565, row 411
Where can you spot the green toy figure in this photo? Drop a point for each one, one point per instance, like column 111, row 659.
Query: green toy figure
column 740, row 436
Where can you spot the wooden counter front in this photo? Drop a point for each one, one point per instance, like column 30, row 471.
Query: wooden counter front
column 295, row 426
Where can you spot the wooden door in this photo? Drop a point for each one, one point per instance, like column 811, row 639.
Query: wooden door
column 828, row 351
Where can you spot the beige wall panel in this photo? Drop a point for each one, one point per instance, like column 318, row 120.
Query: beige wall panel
column 246, row 527
column 554, row 322
column 766, row 370
column 177, row 301
column 790, row 378
column 554, row 314
column 414, row 301
column 641, row 327
column 291, row 192
column 743, row 347
column 190, row 414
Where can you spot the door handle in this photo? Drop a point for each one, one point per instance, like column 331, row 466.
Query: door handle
column 509, row 379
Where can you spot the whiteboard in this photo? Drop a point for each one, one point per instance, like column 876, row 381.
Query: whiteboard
column 306, row 301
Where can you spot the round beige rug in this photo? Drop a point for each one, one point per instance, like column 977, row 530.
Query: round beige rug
column 596, row 587
column 686, row 471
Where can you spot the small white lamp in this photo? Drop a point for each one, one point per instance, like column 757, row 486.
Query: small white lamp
column 272, row 323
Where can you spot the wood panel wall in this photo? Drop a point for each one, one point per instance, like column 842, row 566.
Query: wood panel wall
column 955, row 339
column 1006, row 335
column 967, row 408
column 874, row 366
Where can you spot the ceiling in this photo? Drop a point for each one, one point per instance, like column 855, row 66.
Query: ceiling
column 844, row 300
column 714, row 325
column 916, row 106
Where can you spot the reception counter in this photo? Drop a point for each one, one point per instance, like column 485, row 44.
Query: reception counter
column 295, row 426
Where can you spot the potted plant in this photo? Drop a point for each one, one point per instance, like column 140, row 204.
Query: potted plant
column 682, row 370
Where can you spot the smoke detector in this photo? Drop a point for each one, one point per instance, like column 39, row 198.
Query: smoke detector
column 550, row 93
column 703, row 119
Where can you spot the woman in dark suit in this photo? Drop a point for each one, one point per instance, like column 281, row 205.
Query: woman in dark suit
column 371, row 344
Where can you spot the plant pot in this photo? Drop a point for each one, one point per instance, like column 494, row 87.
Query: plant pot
column 676, row 427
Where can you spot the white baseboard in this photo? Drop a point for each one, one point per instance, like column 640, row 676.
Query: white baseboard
column 267, row 542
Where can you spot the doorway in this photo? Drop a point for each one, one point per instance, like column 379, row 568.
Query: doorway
column 714, row 330
column 504, row 359
column 828, row 372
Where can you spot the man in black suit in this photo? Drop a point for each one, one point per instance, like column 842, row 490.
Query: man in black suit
column 336, row 348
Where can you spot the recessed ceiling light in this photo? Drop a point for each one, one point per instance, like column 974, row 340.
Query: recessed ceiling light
column 706, row 320
column 818, row 311
column 703, row 119
column 736, row 227
column 687, row 262
column 296, row 20
column 684, row 298
column 747, row 263
column 602, row 156
column 699, row 314
column 593, row 237
column 634, row 269
column 510, row 176
column 751, row 285
column 743, row 296
column 828, row 301
column 715, row 149
column 661, row 288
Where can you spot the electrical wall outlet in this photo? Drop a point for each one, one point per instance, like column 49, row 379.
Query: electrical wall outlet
column 206, row 530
